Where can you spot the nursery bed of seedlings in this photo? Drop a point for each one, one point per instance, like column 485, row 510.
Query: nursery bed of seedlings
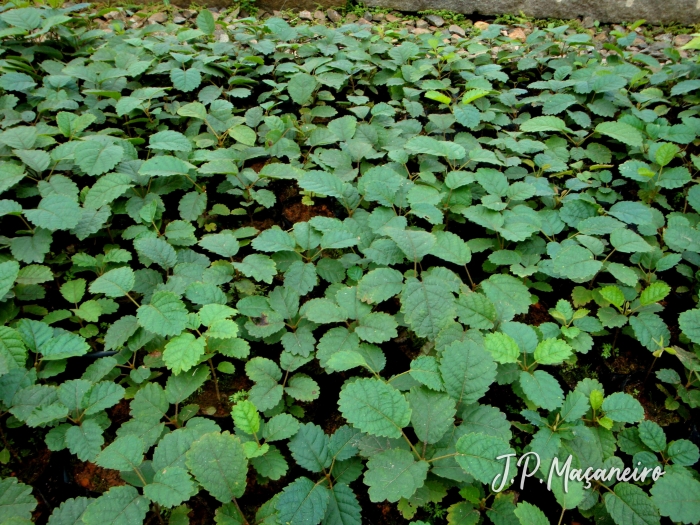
column 329, row 275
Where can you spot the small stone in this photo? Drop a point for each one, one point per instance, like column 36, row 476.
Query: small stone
column 333, row 15
column 277, row 14
column 421, row 31
column 588, row 22
column 367, row 16
column 483, row 26
column 436, row 20
column 318, row 15
column 306, row 15
column 640, row 43
column 112, row 15
column 179, row 19
column 352, row 17
column 665, row 37
column 234, row 14
column 409, row 22
column 392, row 18
column 188, row 13
column 378, row 17
column 517, row 34
column 221, row 35
column 158, row 18
column 681, row 40
column 215, row 13
column 422, row 24
column 457, row 30
column 364, row 22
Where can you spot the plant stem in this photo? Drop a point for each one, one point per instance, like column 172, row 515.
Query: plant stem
column 216, row 381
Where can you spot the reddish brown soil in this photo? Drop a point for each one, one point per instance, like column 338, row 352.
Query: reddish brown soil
column 94, row 478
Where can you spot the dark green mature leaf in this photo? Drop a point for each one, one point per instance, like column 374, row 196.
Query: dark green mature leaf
column 218, row 463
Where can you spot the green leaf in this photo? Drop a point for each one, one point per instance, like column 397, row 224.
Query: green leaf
column 542, row 389
column 64, row 346
column 467, row 371
column 627, row 241
column 302, row 388
column 96, row 157
column 301, row 86
column 623, row 408
column 224, row 243
column 377, row 327
column 477, row 455
column 439, row 148
column 394, row 474
column 114, row 283
column 528, row 514
column 218, row 463
column 502, row 347
column 415, row 244
column 543, row 124
column 689, row 322
column 677, row 496
column 630, row 504
column 183, row 352
column 576, row 263
column 343, row 507
column 185, row 80
column 170, row 487
column 205, row 22
column 432, row 413
column 665, row 154
column 508, row 294
column 165, row 315
column 374, row 407
column 379, row 285
column 622, row 132
column 118, row 506
column 302, row 502
column 169, row 140
column 85, row 440
column 124, row 453
column 55, row 212
column 552, row 352
column 157, row 250
column 165, row 166
column 9, row 270
column 309, row 448
column 301, row 277
column 451, row 248
column 428, row 305
column 613, row 295
column 16, row 500
column 70, row 512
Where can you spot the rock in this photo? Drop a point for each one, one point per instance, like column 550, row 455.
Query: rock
column 436, row 20
column 215, row 13
column 391, row 18
column 517, row 34
column 455, row 29
column 665, row 37
column 112, row 15
column 364, row 22
column 158, row 18
column 333, row 16
column 681, row 40
column 483, row 26
column 221, row 36
column 588, row 22
column 188, row 13
column 378, row 17
column 318, row 15
column 422, row 24
column 350, row 18
column 306, row 15
column 411, row 23
column 367, row 16
column 179, row 19
column 420, row 31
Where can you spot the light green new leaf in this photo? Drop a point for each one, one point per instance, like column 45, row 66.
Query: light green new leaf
column 655, row 292
column 183, row 352
column 502, row 347
column 552, row 352
column 246, row 417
